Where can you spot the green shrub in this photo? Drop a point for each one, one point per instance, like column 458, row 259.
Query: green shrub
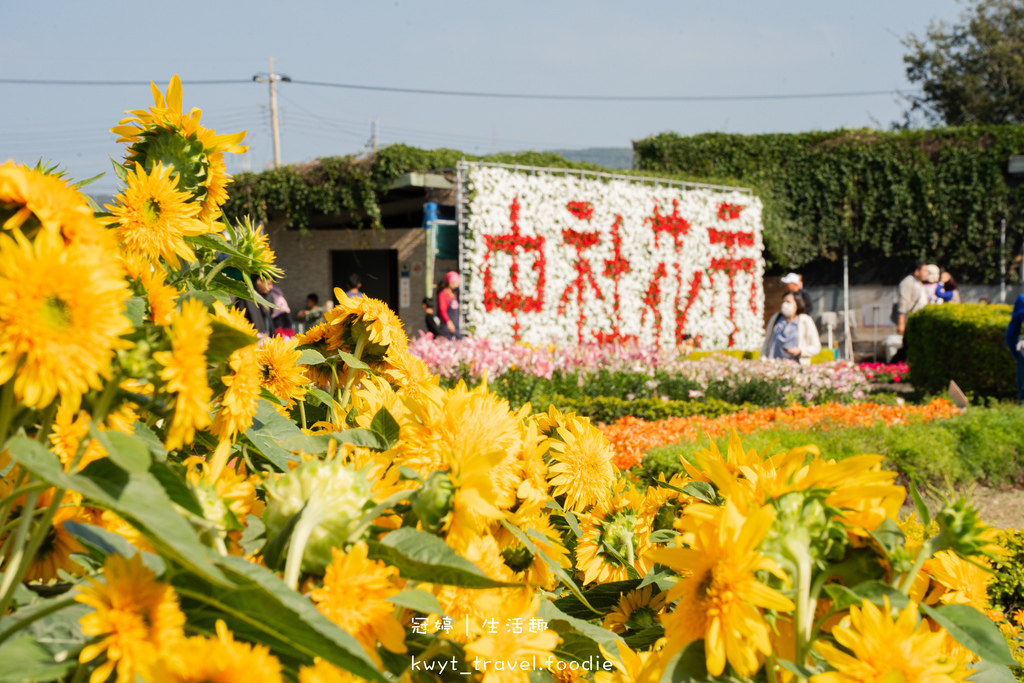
column 964, row 343
column 608, row 409
column 1007, row 587
column 981, row 445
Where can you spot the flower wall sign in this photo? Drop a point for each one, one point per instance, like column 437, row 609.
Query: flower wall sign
column 553, row 258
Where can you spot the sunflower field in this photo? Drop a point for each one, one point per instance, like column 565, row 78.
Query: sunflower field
column 184, row 501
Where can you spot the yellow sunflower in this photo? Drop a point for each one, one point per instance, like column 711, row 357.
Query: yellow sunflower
column 719, row 595
column 280, row 373
column 881, row 648
column 507, row 649
column 58, row 334
column 325, row 672
column 365, row 322
column 162, row 297
column 30, row 200
column 185, row 372
column 636, row 610
column 958, row 581
column 616, row 535
column 55, row 552
column 582, row 468
column 153, row 216
column 238, row 405
column 216, row 660
column 354, row 596
column 164, row 134
column 233, row 317
column 136, row 615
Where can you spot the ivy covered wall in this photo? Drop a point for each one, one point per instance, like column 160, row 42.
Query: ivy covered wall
column 938, row 194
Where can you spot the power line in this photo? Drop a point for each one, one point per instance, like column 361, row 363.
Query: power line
column 496, row 95
column 598, row 98
column 35, row 81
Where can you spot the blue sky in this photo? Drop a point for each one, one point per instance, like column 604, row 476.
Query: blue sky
column 644, row 47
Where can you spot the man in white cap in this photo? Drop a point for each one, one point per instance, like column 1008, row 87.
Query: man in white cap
column 795, row 284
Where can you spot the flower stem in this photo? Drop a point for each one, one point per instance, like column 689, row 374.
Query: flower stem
column 352, row 372
column 922, row 556
column 35, row 616
column 6, row 409
column 13, row 568
column 213, row 272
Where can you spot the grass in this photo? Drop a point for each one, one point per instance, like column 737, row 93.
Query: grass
column 983, row 445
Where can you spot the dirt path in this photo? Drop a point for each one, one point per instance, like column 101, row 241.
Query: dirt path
column 1002, row 508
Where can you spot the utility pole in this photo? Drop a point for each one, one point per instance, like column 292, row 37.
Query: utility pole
column 374, row 130
column 273, row 78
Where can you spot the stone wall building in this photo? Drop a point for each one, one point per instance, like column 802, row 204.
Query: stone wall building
column 391, row 263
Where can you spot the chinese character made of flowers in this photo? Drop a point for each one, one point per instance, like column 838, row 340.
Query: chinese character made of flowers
column 513, row 243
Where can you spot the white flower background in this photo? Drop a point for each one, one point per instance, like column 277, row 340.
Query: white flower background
column 543, row 199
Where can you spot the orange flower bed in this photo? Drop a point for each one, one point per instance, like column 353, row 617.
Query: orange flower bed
column 631, row 437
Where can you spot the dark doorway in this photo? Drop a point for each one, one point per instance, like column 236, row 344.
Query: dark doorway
column 377, row 268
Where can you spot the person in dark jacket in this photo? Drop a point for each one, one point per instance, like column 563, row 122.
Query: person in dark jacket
column 795, row 283
column 432, row 321
column 1015, row 341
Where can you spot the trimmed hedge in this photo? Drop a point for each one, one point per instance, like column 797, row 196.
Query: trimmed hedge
column 984, row 445
column 608, row 409
column 964, row 343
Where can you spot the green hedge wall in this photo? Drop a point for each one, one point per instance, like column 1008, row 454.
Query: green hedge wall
column 935, row 194
column 355, row 185
column 964, row 343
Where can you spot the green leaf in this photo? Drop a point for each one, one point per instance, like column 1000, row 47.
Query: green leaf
column 275, row 551
column 973, row 630
column 689, row 665
column 361, row 437
column 177, row 487
column 701, row 490
column 922, row 509
column 570, row 519
column 580, row 639
column 253, row 536
column 137, row 497
column 655, row 575
column 645, row 639
column 99, row 543
column 408, row 474
column 263, row 609
column 321, row 396
column 352, row 362
column 553, row 565
column 663, row 536
column 78, row 185
column 987, row 672
column 120, row 171
column 420, row 556
column 135, row 311
column 156, row 447
column 311, row 357
column 225, row 340
column 603, row 597
column 872, row 591
column 274, row 436
column 419, row 601
column 128, row 452
column 889, row 536
column 24, row 659
column 384, row 424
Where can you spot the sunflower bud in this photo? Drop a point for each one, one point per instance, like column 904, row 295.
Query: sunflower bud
column 334, row 496
column 433, row 501
column 254, row 254
column 962, row 531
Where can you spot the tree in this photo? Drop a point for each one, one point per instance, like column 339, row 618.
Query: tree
column 971, row 72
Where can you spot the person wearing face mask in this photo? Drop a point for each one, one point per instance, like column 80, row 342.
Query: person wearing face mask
column 791, row 333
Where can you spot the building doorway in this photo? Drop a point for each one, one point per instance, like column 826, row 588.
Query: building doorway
column 376, row 268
